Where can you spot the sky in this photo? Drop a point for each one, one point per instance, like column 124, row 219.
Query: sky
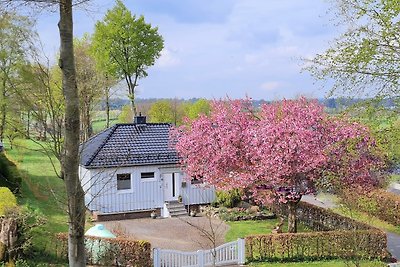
column 219, row 48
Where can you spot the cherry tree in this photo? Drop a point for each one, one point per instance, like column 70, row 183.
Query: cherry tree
column 286, row 150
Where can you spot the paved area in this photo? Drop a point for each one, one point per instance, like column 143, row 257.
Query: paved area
column 183, row 233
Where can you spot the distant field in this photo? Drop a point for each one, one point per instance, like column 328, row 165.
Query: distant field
column 99, row 120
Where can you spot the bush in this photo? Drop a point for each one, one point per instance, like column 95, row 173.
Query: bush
column 111, row 251
column 9, row 174
column 7, row 200
column 364, row 244
column 17, row 227
column 228, row 199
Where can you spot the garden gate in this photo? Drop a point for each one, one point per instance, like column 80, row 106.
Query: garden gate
column 229, row 253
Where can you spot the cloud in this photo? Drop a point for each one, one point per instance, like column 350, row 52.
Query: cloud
column 271, row 86
column 168, row 59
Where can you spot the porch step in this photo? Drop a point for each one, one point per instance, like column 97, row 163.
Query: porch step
column 176, row 209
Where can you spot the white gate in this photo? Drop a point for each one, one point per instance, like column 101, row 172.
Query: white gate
column 229, row 253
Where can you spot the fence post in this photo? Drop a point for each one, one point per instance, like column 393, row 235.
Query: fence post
column 200, row 258
column 156, row 257
column 241, row 251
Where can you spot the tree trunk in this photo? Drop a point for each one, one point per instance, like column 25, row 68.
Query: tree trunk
column 75, row 194
column 3, row 110
column 107, row 94
column 131, row 88
column 28, row 125
column 292, row 221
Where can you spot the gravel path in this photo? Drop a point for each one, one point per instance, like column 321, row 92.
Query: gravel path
column 173, row 233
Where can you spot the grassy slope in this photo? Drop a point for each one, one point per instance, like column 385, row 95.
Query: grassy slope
column 42, row 190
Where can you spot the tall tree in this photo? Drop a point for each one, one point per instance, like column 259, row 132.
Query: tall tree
column 15, row 34
column 90, row 84
column 286, row 151
column 365, row 59
column 126, row 46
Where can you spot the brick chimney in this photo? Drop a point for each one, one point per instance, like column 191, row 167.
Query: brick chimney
column 139, row 119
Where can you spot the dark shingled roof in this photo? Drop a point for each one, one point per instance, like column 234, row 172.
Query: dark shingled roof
column 129, row 145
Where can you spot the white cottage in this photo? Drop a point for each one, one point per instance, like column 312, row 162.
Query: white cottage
column 129, row 170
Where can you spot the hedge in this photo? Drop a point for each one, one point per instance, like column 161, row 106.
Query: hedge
column 110, row 251
column 335, row 236
column 379, row 203
column 7, row 200
column 366, row 244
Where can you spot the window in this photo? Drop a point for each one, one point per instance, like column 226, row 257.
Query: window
column 123, row 181
column 147, row 175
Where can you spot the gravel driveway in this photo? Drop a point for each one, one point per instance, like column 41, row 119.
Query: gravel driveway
column 173, row 233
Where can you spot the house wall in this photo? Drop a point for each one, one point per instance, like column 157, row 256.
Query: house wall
column 144, row 193
column 101, row 192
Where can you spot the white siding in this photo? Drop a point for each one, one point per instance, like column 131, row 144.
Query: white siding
column 198, row 194
column 144, row 194
column 84, row 176
column 101, row 192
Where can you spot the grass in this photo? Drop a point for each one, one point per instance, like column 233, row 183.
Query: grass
column 368, row 219
column 241, row 229
column 332, row 263
column 41, row 190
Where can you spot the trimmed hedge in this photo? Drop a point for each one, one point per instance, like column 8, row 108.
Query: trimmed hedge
column 366, row 244
column 7, row 200
column 336, row 236
column 379, row 203
column 110, row 251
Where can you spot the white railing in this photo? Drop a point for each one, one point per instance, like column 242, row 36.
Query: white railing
column 229, row 253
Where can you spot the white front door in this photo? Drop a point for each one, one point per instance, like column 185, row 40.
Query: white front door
column 171, row 186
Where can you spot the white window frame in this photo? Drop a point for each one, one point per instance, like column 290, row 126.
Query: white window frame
column 131, row 183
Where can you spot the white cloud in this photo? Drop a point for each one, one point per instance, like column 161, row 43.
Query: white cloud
column 271, row 86
column 167, row 59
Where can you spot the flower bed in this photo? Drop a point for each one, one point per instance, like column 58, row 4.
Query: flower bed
column 242, row 214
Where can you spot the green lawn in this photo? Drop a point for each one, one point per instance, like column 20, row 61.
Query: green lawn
column 241, row 229
column 41, row 190
column 333, row 263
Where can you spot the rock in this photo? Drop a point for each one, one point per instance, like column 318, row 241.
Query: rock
column 253, row 209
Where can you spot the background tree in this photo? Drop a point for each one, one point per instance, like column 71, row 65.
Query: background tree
column 365, row 59
column 290, row 149
column 198, row 108
column 125, row 46
column 90, row 84
column 15, row 34
column 161, row 111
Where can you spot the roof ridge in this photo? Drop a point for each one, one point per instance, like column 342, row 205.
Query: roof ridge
column 113, row 128
column 148, row 123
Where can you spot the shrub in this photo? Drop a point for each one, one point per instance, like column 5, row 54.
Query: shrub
column 365, row 244
column 111, row 251
column 9, row 174
column 228, row 199
column 18, row 225
column 7, row 200
column 379, row 203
